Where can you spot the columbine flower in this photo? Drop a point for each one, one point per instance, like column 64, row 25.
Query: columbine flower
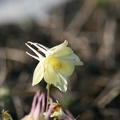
column 38, row 107
column 39, row 111
column 55, row 66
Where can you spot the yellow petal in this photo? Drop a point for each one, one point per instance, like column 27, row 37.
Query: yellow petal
column 61, row 50
column 62, row 85
column 38, row 73
column 65, row 51
column 64, row 44
column 74, row 58
column 67, row 67
column 52, row 77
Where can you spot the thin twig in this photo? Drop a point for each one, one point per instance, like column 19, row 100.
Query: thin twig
column 48, row 96
column 106, row 51
column 111, row 91
column 14, row 54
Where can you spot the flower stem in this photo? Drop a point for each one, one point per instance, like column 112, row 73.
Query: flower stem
column 48, row 96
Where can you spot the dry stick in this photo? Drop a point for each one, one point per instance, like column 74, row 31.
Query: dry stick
column 3, row 70
column 48, row 96
column 19, row 55
column 106, row 51
column 111, row 91
column 82, row 16
column 17, row 104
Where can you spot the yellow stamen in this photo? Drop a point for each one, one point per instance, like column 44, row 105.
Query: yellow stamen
column 54, row 61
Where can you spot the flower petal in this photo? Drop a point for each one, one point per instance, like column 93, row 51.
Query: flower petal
column 52, row 77
column 38, row 73
column 74, row 58
column 64, row 44
column 60, row 50
column 67, row 67
column 63, row 83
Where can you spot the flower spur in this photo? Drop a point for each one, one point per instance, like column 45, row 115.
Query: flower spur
column 54, row 110
column 55, row 66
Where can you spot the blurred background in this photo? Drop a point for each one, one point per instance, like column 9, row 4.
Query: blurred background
column 92, row 28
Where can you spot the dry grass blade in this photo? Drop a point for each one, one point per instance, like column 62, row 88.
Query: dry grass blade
column 111, row 91
column 3, row 71
column 14, row 54
column 106, row 51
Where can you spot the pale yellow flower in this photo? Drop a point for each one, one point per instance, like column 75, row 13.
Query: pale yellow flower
column 55, row 66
